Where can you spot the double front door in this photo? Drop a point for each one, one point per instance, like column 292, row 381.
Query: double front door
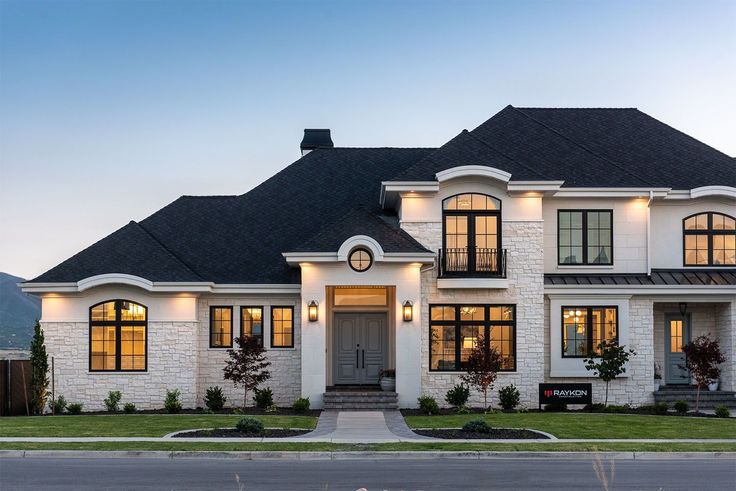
column 359, row 344
column 677, row 333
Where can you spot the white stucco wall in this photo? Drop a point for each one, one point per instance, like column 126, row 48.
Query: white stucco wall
column 666, row 226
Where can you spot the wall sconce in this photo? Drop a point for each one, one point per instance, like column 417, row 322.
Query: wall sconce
column 408, row 311
column 683, row 308
column 313, row 311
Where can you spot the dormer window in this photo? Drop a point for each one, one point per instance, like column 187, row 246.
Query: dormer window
column 709, row 240
column 471, row 242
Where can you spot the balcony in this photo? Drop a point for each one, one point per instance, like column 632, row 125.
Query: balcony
column 472, row 263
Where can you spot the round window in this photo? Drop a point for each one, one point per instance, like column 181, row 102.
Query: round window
column 360, row 259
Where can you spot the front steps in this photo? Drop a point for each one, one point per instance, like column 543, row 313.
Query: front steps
column 359, row 398
column 708, row 400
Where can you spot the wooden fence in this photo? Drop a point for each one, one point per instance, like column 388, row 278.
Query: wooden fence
column 15, row 387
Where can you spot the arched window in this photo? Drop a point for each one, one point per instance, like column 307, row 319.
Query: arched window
column 117, row 337
column 471, row 239
column 709, row 239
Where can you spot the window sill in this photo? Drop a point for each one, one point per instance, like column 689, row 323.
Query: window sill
column 585, row 266
column 489, row 283
column 120, row 372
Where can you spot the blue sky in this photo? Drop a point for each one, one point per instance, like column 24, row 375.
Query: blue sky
column 110, row 110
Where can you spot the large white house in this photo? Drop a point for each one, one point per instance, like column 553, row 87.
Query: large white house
column 541, row 232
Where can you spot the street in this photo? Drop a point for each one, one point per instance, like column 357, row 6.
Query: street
column 409, row 475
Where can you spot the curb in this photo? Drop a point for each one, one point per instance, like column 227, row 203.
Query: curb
column 368, row 455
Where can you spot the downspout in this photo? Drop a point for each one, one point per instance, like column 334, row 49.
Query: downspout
column 649, row 233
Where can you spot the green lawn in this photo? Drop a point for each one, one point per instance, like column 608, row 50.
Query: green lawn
column 385, row 447
column 135, row 424
column 582, row 425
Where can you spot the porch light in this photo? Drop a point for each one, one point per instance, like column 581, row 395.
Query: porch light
column 408, row 311
column 313, row 311
column 683, row 308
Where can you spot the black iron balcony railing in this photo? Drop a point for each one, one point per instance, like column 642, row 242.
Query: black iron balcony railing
column 483, row 263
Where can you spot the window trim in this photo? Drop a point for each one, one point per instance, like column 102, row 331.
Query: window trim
column 370, row 256
column 709, row 233
column 457, row 323
column 232, row 324
column 588, row 328
column 263, row 321
column 117, row 324
column 293, row 326
column 585, row 212
column 471, row 214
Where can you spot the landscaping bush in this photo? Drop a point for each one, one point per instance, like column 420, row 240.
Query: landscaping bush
column 681, row 407
column 74, row 408
column 477, row 426
column 129, row 408
column 264, row 398
column 58, row 405
column 113, row 400
column 250, row 425
column 428, row 405
column 463, row 409
column 301, row 405
column 555, row 407
column 722, row 411
column 458, row 396
column 214, row 399
column 172, row 402
column 509, row 397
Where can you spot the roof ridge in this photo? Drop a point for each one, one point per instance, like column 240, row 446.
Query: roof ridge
column 618, row 166
column 506, row 156
column 168, row 251
column 577, row 108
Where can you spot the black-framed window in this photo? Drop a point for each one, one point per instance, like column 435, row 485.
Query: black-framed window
column 251, row 322
column 471, row 235
column 282, row 327
column 360, row 259
column 221, row 326
column 584, row 328
column 709, row 239
column 118, row 332
column 454, row 330
column 585, row 237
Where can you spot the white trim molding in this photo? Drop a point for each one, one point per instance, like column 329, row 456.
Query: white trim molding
column 534, row 187
column 673, row 290
column 703, row 191
column 391, row 190
column 476, row 283
column 341, row 255
column 612, row 192
column 473, row 171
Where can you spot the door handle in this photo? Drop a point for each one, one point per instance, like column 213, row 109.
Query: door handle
column 363, row 358
column 357, row 362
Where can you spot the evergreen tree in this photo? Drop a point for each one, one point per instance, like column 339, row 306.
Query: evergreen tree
column 39, row 371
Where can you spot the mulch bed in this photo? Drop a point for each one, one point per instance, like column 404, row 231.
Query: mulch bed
column 645, row 412
column 251, row 411
column 235, row 433
column 495, row 433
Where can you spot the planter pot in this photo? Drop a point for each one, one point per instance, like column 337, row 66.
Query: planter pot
column 388, row 384
column 713, row 386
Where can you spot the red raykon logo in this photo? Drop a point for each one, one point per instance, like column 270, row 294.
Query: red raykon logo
column 548, row 393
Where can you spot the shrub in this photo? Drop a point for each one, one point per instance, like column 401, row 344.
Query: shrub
column 722, row 411
column 477, row 426
column 172, row 402
column 58, row 405
column 301, row 405
column 264, row 398
column 237, row 410
column 428, row 405
column 458, row 396
column 509, row 397
column 680, row 406
column 74, row 408
column 129, row 408
column 463, row 409
column 113, row 400
column 214, row 399
column 249, row 425
column 555, row 407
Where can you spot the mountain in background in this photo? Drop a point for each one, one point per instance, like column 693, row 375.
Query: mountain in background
column 18, row 314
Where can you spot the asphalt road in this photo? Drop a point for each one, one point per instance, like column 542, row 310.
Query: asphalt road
column 407, row 475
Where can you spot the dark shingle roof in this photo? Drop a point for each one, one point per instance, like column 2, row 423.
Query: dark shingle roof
column 584, row 148
column 659, row 277
column 239, row 239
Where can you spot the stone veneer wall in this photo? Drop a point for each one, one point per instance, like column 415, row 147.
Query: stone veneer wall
column 285, row 367
column 170, row 366
column 637, row 386
column 525, row 271
column 726, row 332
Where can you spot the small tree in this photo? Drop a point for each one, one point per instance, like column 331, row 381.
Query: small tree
column 609, row 363
column 39, row 371
column 247, row 366
column 702, row 357
column 482, row 369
